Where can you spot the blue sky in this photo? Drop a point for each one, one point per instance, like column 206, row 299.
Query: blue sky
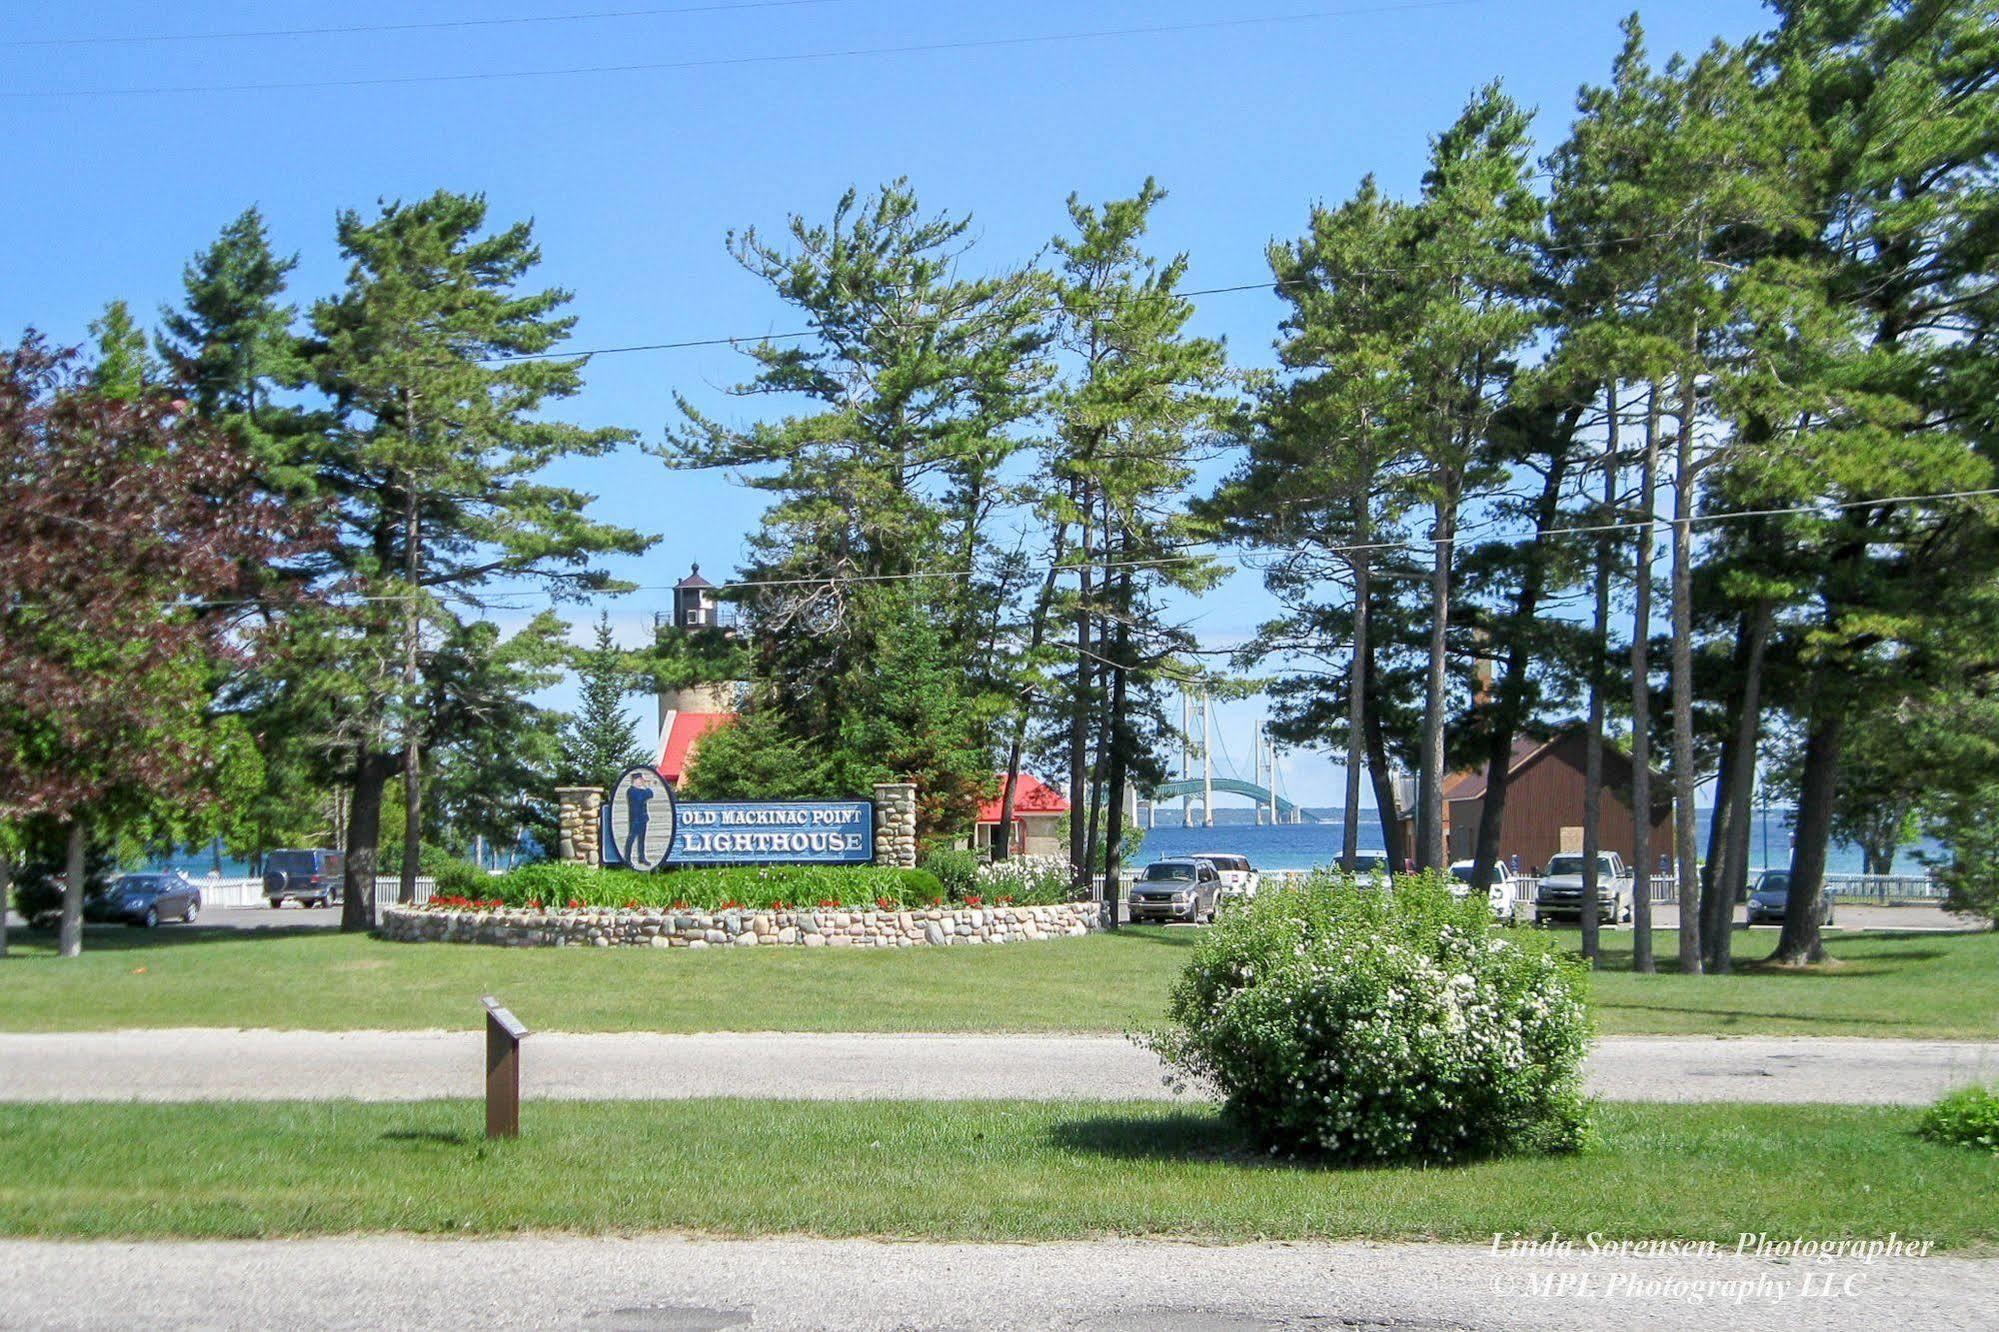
column 633, row 178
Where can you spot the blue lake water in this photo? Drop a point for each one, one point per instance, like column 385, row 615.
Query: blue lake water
column 1307, row 845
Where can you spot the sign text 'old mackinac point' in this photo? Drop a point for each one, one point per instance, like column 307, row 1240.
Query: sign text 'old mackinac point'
column 828, row 832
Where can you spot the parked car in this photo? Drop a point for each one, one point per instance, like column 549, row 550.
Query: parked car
column 311, row 878
column 146, row 900
column 1772, row 894
column 1185, row 888
column 1560, row 894
column 1498, row 894
column 1239, row 877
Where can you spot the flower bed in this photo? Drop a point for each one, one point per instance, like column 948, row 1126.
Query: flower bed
column 648, row 927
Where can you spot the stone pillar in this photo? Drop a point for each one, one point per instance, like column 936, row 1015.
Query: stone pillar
column 895, row 824
column 579, row 838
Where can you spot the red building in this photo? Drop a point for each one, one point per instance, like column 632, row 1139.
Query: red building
column 1038, row 810
column 1544, row 803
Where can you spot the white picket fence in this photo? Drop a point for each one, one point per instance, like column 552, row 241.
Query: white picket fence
column 248, row 892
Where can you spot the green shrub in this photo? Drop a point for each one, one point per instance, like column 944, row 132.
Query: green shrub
column 1967, row 1117
column 451, row 877
column 957, row 870
column 758, row 887
column 1028, row 880
column 1365, row 1026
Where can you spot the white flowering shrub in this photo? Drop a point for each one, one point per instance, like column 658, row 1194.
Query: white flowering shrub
column 1343, row 1021
column 1026, row 880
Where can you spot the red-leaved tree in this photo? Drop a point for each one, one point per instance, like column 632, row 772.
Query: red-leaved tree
column 137, row 555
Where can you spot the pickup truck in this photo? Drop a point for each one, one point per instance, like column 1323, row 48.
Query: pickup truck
column 1560, row 894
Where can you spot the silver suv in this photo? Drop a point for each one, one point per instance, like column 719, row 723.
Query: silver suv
column 1184, row 889
column 1559, row 895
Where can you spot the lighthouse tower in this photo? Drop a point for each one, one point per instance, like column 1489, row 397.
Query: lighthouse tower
column 688, row 713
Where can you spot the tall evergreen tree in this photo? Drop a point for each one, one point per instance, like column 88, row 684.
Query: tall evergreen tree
column 917, row 383
column 438, row 370
column 1146, row 400
column 1324, row 484
column 598, row 742
column 1472, row 246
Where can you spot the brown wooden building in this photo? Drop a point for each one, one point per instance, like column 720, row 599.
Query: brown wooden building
column 1544, row 797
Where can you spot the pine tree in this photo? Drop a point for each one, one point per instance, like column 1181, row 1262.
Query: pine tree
column 1146, row 402
column 231, row 346
column 438, row 370
column 1472, row 243
column 123, row 370
column 1323, row 484
column 598, row 743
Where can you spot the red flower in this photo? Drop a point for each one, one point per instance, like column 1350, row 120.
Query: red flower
column 1006, row 901
column 680, row 905
column 827, row 902
column 884, row 904
column 534, row 904
column 974, row 900
column 777, row 904
column 575, row 905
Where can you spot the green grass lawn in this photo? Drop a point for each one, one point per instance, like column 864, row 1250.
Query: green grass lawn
column 990, row 1170
column 1894, row 985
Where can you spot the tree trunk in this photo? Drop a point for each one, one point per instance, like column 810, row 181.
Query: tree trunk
column 1598, row 702
column 69, row 935
column 1385, row 807
column 1818, row 783
column 6, row 887
column 1357, row 687
column 1079, row 721
column 1120, row 750
column 412, row 749
column 1684, row 856
column 364, row 840
column 1016, row 742
column 1430, row 767
column 1641, row 704
column 1509, row 700
column 1728, row 842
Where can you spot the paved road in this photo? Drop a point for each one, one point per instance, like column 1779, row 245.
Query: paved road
column 655, row 1283
column 205, row 1063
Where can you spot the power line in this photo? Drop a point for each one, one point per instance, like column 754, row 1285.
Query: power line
column 1216, row 549
column 135, row 39
column 723, row 62
column 1267, row 284
column 829, row 579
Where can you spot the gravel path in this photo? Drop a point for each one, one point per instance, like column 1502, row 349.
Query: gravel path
column 655, row 1283
column 206, row 1063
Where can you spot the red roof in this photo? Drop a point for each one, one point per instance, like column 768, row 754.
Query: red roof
column 683, row 733
column 1033, row 797
column 1470, row 784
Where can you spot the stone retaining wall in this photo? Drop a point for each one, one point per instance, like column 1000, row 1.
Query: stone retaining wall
column 606, row 927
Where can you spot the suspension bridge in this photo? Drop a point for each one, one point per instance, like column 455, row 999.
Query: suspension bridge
column 1200, row 782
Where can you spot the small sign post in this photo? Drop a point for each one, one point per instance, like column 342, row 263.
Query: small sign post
column 503, row 1070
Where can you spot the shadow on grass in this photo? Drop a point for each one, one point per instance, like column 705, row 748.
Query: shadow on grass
column 1889, row 1023
column 1168, row 1135
column 1196, row 1136
column 1182, row 937
column 126, row 939
column 431, row 1137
